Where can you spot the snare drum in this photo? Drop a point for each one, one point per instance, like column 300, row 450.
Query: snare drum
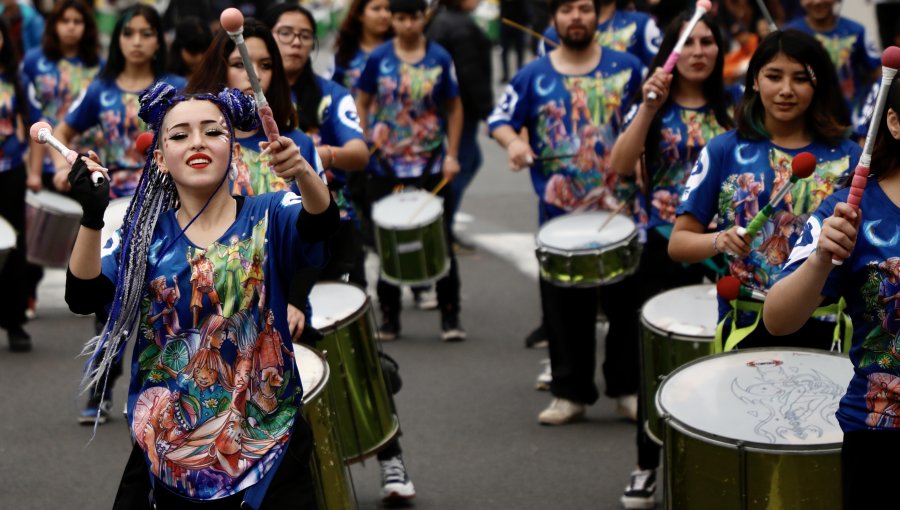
column 363, row 404
column 754, row 429
column 573, row 251
column 331, row 476
column 7, row 241
column 52, row 221
column 413, row 250
column 677, row 326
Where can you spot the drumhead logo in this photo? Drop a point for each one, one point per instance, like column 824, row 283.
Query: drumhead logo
column 765, row 363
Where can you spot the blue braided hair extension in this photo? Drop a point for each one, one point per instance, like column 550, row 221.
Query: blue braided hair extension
column 155, row 194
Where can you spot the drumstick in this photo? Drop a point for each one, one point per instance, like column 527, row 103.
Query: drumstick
column 613, row 214
column 42, row 133
column 730, row 288
column 802, row 166
column 890, row 62
column 437, row 189
column 532, row 33
column 703, row 6
column 766, row 14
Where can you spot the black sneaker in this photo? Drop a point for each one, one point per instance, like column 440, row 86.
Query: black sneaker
column 537, row 339
column 389, row 330
column 19, row 339
column 451, row 330
column 641, row 489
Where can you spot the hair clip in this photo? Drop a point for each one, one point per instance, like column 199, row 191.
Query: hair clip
column 812, row 74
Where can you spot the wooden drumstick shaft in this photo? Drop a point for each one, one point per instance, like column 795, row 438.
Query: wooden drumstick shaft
column 437, row 189
column 532, row 33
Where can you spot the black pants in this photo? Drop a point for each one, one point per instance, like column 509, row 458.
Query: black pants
column 292, row 486
column 866, row 458
column 448, row 286
column 14, row 298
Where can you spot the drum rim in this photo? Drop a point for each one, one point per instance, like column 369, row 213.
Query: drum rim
column 543, row 248
column 334, row 326
column 416, row 224
column 32, row 199
column 679, row 336
column 565, row 217
column 310, row 395
column 750, row 446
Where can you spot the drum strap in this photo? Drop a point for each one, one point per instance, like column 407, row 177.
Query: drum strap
column 840, row 342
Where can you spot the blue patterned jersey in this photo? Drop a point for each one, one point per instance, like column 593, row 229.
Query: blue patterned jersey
column 734, row 178
column 115, row 111
column 572, row 122
column 629, row 31
column 214, row 387
column 870, row 282
column 349, row 76
column 253, row 174
column 408, row 124
column 13, row 141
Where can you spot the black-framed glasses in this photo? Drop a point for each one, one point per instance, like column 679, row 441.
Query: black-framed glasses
column 286, row 35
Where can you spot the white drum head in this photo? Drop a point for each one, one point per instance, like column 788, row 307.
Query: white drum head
column 7, row 235
column 113, row 218
column 312, row 367
column 53, row 202
column 394, row 211
column 582, row 231
column 685, row 311
column 333, row 302
column 761, row 396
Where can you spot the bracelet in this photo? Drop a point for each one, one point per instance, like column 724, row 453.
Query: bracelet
column 331, row 156
column 450, row 157
column 716, row 240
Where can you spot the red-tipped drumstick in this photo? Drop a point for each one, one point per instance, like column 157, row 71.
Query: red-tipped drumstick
column 730, row 288
column 890, row 62
column 703, row 6
column 802, row 166
column 143, row 142
column 42, row 133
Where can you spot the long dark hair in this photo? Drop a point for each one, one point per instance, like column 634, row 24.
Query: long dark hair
column 826, row 118
column 192, row 35
column 350, row 33
column 305, row 89
column 212, row 75
column 886, row 154
column 115, row 63
column 9, row 60
column 713, row 87
column 88, row 46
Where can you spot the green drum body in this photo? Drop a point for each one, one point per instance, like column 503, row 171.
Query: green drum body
column 677, row 326
column 573, row 250
column 331, row 475
column 409, row 236
column 754, row 429
column 363, row 403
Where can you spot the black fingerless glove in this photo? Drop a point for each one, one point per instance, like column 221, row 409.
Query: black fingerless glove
column 93, row 198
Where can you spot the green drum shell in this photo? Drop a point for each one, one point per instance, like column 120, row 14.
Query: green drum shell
column 661, row 352
column 413, row 256
column 331, row 476
column 590, row 267
column 362, row 403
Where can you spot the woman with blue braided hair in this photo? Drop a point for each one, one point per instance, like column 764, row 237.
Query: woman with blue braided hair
column 182, row 230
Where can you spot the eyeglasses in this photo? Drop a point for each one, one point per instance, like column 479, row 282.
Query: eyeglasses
column 286, row 35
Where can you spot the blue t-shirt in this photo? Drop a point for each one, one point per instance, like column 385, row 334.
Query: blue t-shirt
column 32, row 25
column 684, row 133
column 870, row 282
column 349, row 76
column 338, row 124
column 12, row 139
column 853, row 53
column 862, row 116
column 52, row 88
column 408, row 124
column 629, row 31
column 212, row 399
column 253, row 174
column 115, row 110
column 572, row 120
column 734, row 178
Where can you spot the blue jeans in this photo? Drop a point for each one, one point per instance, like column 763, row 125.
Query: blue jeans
column 469, row 162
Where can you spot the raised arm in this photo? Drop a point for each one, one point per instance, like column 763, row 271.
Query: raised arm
column 628, row 147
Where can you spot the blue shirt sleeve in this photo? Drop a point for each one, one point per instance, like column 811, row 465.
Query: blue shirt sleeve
column 808, row 241
column 651, row 37
column 701, row 191
column 448, row 76
column 340, row 120
column 368, row 80
column 512, row 108
column 84, row 112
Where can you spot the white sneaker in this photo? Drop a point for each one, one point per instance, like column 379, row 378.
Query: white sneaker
column 626, row 407
column 640, row 490
column 545, row 377
column 395, row 483
column 561, row 411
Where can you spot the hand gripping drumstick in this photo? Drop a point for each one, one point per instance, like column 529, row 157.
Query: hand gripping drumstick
column 703, row 6
column 42, row 133
column 802, row 166
column 890, row 62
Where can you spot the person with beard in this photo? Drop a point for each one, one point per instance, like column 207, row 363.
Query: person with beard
column 571, row 101
column 630, row 31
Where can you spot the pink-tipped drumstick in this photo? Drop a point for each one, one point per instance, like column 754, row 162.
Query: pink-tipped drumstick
column 42, row 133
column 703, row 6
column 890, row 62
